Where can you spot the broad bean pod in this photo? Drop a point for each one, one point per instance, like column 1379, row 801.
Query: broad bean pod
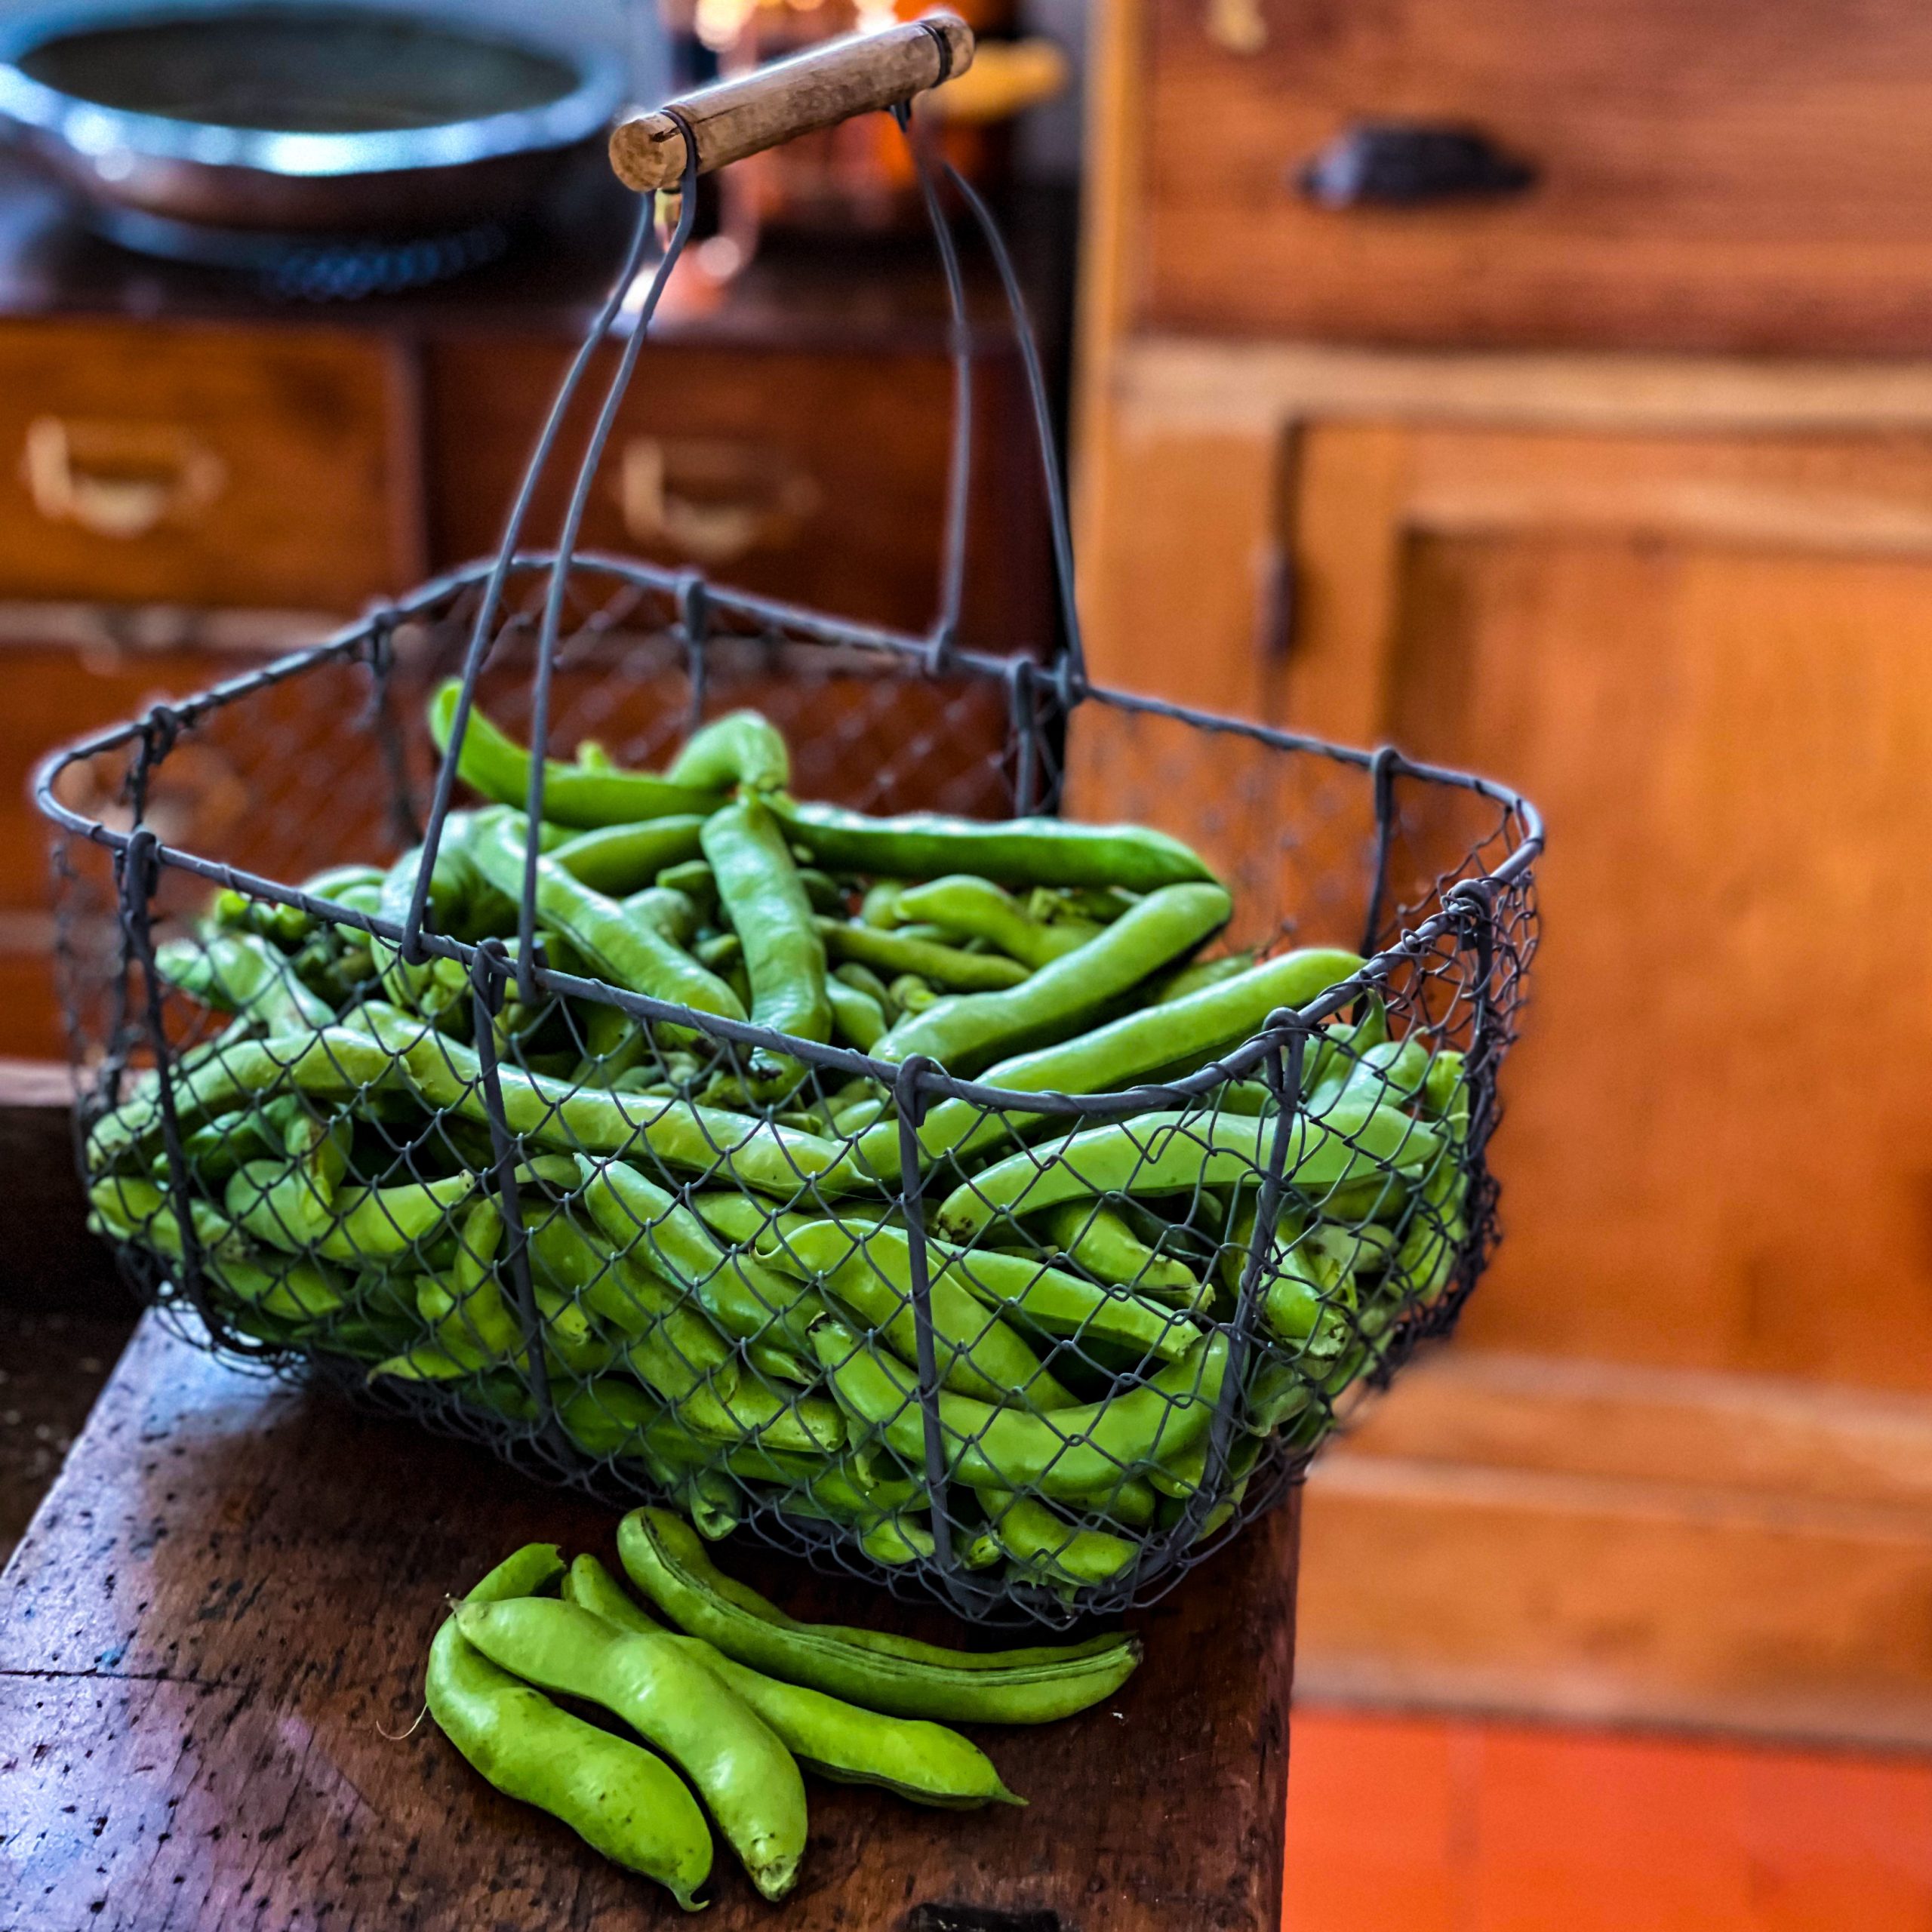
column 743, row 748
column 495, row 764
column 632, row 953
column 740, row 1765
column 1020, row 851
column 758, row 885
column 1176, row 1152
column 918, row 1760
column 900, row 1675
column 1078, row 1455
column 1047, row 1298
column 901, row 955
column 1186, row 1031
column 709, row 1141
column 974, row 908
column 1098, row 1238
column 977, row 1353
column 616, row 1795
column 965, row 1033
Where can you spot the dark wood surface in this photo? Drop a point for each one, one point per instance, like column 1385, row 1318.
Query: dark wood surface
column 212, row 1635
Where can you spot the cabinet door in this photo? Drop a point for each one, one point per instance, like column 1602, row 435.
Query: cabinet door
column 1708, row 658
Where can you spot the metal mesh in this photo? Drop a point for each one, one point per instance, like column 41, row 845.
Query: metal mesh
column 1036, row 1353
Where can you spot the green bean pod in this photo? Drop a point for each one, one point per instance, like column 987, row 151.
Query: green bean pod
column 1198, row 976
column 899, row 1675
column 758, row 884
column 1020, row 851
column 1176, row 1153
column 301, row 1292
column 743, row 748
column 366, row 1223
column 616, row 1795
column 859, row 1018
column 740, row 1766
column 1048, row 1298
column 896, row 954
column 706, row 1140
column 242, row 972
column 1075, row 1455
column 1046, row 1547
column 495, row 764
column 977, row 1353
column 742, row 1295
column 335, row 1062
column 974, row 908
column 631, row 953
column 965, row 1033
column 1189, row 1031
column 619, row 860
column 918, row 1760
column 1098, row 1238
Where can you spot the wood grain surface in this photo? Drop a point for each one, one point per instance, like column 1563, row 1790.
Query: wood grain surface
column 211, row 1642
column 747, row 113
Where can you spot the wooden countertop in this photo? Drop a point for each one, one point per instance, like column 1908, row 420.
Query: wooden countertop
column 888, row 292
column 211, row 1647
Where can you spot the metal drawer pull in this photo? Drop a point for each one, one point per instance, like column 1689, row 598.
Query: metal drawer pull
column 1405, row 164
column 711, row 501
column 118, row 480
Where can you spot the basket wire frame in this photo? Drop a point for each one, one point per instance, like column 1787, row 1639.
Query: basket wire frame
column 1363, row 1224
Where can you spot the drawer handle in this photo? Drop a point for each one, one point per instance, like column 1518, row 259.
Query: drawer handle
column 711, row 501
column 118, row 480
column 1409, row 164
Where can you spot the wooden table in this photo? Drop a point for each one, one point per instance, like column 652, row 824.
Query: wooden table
column 211, row 1644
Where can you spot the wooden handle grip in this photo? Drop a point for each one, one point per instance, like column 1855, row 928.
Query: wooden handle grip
column 733, row 119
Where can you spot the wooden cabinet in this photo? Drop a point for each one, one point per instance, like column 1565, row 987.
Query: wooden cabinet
column 816, row 476
column 1677, row 1464
column 1706, row 174
column 143, row 463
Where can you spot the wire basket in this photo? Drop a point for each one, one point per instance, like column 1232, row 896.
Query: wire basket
column 1036, row 1352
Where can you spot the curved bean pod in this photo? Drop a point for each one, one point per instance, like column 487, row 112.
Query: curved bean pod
column 977, row 1353
column 975, row 908
column 1098, row 1238
column 1020, row 851
column 614, row 1795
column 494, row 764
column 1173, row 1153
column 900, row 1675
column 738, row 1763
column 619, row 860
column 1075, row 1455
column 920, row 1761
column 1137, row 1047
column 897, row 955
column 552, row 1113
column 758, row 885
column 631, row 953
column 965, row 1033
column 744, row 748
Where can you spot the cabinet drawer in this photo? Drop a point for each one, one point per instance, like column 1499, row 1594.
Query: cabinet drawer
column 203, row 466
column 819, row 478
column 1707, row 174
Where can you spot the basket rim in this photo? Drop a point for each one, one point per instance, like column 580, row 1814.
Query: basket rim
column 1464, row 900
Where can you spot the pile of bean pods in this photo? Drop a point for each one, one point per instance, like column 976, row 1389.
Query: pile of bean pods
column 691, row 1260
column 736, row 1694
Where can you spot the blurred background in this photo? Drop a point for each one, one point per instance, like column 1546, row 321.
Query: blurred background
column 1547, row 391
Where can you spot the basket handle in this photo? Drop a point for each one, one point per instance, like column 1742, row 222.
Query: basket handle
column 855, row 75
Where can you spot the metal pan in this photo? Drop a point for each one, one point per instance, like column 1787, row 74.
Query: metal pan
column 293, row 120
